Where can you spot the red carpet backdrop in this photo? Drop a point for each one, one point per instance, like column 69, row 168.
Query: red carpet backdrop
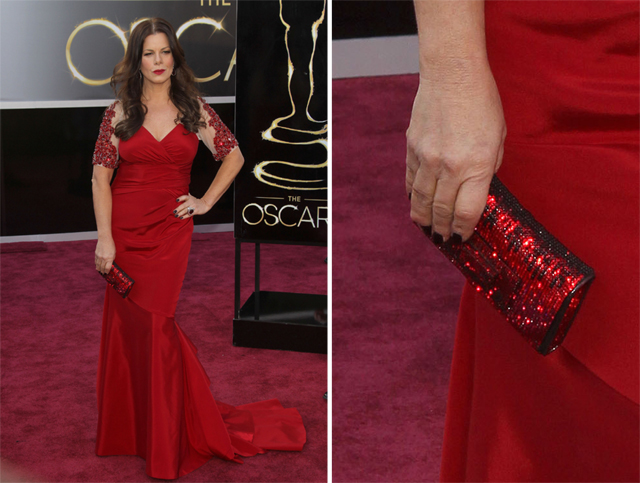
column 395, row 298
column 51, row 312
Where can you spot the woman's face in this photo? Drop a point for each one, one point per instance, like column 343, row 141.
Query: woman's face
column 157, row 60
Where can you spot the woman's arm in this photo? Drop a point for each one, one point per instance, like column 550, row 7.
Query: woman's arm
column 228, row 171
column 223, row 145
column 106, row 248
column 457, row 130
column 105, row 160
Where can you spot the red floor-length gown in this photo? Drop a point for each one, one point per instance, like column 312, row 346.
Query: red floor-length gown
column 567, row 73
column 153, row 394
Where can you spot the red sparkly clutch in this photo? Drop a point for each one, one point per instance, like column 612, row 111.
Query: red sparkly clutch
column 119, row 280
column 527, row 274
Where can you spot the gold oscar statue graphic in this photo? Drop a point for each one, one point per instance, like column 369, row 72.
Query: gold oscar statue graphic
column 298, row 130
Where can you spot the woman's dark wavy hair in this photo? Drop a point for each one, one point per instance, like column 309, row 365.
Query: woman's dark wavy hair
column 126, row 74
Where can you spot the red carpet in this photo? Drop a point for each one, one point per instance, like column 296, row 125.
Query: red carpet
column 51, row 315
column 395, row 298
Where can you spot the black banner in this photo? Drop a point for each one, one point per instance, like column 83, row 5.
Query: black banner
column 281, row 111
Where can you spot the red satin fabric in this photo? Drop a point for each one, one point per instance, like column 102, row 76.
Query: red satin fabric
column 567, row 73
column 153, row 394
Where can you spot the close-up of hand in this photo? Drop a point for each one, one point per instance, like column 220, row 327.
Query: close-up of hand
column 105, row 254
column 455, row 144
column 190, row 206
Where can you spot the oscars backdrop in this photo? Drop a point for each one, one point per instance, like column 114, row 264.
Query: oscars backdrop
column 281, row 125
column 65, row 50
column 56, row 61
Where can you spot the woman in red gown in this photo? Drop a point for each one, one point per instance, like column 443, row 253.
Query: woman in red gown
column 153, row 394
column 567, row 73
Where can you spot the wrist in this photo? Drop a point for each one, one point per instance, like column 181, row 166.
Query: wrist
column 453, row 66
column 456, row 76
column 206, row 204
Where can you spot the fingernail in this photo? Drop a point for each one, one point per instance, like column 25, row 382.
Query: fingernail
column 456, row 239
column 424, row 229
column 177, row 200
column 175, row 211
column 437, row 238
column 176, row 216
column 181, row 217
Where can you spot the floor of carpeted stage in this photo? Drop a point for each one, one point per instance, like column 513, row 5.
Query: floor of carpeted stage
column 52, row 301
column 395, row 297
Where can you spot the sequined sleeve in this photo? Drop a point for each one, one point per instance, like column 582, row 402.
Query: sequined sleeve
column 106, row 150
column 216, row 136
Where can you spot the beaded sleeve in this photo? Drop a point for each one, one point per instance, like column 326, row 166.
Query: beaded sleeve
column 106, row 153
column 221, row 142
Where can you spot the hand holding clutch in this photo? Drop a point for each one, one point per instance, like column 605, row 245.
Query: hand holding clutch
column 119, row 280
column 525, row 273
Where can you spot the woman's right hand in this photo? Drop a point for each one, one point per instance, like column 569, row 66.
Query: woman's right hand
column 455, row 143
column 105, row 254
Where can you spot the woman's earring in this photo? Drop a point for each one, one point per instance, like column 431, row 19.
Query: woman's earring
column 173, row 73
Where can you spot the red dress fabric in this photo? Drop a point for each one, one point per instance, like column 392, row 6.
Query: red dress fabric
column 567, row 73
column 153, row 394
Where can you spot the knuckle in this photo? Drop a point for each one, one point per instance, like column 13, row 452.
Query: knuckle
column 429, row 155
column 424, row 151
column 424, row 199
column 420, row 203
column 412, row 138
column 458, row 164
column 442, row 210
column 465, row 215
column 419, row 208
column 455, row 165
column 420, row 218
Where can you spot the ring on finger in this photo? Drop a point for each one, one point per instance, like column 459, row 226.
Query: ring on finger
column 190, row 210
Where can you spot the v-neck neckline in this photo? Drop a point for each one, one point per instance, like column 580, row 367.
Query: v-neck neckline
column 165, row 136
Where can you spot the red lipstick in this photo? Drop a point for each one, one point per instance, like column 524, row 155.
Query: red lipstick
column 159, row 71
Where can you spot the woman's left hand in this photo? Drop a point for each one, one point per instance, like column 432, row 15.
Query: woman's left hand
column 198, row 205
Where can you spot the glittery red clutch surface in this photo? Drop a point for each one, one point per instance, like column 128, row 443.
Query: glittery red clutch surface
column 119, row 280
column 525, row 273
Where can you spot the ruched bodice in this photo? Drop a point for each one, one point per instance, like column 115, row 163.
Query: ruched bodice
column 147, row 163
column 150, row 241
